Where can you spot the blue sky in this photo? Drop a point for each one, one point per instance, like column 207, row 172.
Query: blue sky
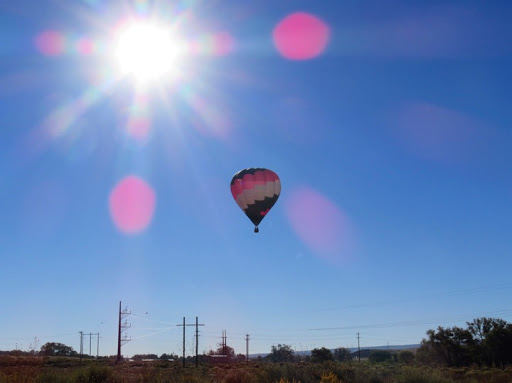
column 392, row 141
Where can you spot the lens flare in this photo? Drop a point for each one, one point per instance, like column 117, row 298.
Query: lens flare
column 50, row 43
column 211, row 118
column 320, row 224
column 217, row 44
column 132, row 204
column 139, row 121
column 85, row 46
column 301, row 36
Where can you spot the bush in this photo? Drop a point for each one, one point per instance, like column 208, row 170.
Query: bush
column 95, row 374
column 416, row 375
column 329, row 378
column 51, row 377
column 406, row 357
column 379, row 356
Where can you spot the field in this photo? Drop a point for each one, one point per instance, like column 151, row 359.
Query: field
column 60, row 370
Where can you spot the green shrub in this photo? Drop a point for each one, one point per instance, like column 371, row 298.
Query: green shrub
column 51, row 377
column 94, row 374
column 419, row 375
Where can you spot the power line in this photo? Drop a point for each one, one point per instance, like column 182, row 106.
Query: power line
column 408, row 323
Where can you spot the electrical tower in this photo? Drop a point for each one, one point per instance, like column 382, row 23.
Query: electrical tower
column 224, row 343
column 123, row 326
column 97, row 335
column 197, row 338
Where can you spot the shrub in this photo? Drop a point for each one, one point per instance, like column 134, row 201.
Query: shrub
column 95, row 374
column 329, row 378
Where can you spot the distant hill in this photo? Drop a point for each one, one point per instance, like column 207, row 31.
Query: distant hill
column 364, row 351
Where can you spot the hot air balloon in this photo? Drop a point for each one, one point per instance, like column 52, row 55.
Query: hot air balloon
column 255, row 190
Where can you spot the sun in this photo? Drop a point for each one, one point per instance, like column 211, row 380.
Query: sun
column 148, row 51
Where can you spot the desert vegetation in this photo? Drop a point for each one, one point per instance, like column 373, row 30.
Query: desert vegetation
column 479, row 353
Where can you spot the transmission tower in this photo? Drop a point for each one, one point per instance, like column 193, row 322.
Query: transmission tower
column 122, row 338
column 197, row 338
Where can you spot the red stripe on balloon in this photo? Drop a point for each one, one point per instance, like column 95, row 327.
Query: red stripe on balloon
column 259, row 178
column 248, row 181
column 270, row 176
column 237, row 188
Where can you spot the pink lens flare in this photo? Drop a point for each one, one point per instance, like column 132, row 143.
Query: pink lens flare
column 85, row 46
column 50, row 43
column 301, row 36
column 320, row 224
column 139, row 120
column 223, row 43
column 139, row 127
column 132, row 204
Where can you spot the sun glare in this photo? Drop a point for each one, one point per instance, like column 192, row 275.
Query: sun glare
column 148, row 51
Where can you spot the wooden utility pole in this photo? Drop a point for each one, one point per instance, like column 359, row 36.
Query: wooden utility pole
column 358, row 349
column 247, row 348
column 81, row 345
column 119, row 336
column 197, row 339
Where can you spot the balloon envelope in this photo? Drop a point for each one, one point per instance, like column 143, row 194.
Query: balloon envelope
column 255, row 190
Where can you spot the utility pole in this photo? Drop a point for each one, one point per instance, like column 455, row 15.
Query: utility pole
column 197, row 341
column 197, row 338
column 247, row 348
column 119, row 336
column 91, row 334
column 184, row 341
column 224, row 342
column 358, row 349
column 81, row 345
column 121, row 328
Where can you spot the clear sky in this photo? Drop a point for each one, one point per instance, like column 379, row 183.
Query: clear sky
column 388, row 123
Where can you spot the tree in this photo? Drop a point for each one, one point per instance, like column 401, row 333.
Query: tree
column 447, row 347
column 165, row 356
column 57, row 349
column 498, row 346
column 223, row 350
column 486, row 341
column 319, row 355
column 342, row 354
column 144, row 356
column 492, row 341
column 405, row 357
column 281, row 353
column 481, row 327
column 379, row 356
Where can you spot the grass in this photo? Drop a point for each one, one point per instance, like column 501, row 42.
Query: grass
column 64, row 370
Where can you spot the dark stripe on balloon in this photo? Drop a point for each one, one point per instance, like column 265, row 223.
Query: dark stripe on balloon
column 255, row 210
